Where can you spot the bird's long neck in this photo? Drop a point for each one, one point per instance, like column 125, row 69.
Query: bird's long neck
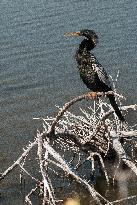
column 86, row 45
column 83, row 53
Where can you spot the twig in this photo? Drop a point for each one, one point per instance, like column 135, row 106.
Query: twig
column 18, row 161
column 62, row 164
column 81, row 133
column 27, row 198
column 121, row 152
column 129, row 133
column 47, row 189
column 24, row 170
column 91, row 95
column 124, row 199
column 123, row 108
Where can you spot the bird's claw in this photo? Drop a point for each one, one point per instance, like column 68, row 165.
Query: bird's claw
column 91, row 95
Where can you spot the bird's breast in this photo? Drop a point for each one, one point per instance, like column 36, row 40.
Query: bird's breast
column 86, row 66
column 88, row 76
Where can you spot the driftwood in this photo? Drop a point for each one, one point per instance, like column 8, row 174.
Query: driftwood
column 92, row 134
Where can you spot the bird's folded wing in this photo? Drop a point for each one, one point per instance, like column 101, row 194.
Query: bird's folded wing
column 102, row 75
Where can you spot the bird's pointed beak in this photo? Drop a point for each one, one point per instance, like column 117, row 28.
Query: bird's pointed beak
column 72, row 33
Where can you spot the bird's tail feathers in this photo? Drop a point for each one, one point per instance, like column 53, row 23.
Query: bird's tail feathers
column 115, row 107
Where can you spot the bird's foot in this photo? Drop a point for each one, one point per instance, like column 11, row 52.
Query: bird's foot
column 91, row 95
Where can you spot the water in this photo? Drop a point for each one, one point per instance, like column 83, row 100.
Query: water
column 37, row 65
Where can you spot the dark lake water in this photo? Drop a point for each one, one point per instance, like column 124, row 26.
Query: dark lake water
column 37, row 68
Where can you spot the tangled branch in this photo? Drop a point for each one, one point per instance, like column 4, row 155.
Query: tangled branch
column 90, row 135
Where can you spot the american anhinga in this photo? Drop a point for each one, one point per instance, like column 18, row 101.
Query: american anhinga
column 91, row 71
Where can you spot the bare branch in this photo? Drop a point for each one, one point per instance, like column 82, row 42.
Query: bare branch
column 48, row 196
column 19, row 160
column 124, row 108
column 121, row 153
column 62, row 164
column 27, row 198
column 87, row 137
column 90, row 95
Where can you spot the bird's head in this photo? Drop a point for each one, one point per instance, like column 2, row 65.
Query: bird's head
column 89, row 34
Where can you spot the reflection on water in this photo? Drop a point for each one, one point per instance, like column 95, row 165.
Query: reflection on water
column 38, row 69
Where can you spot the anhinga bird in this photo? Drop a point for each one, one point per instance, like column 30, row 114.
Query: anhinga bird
column 91, row 71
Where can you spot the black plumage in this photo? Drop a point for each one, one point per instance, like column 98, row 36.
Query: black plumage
column 91, row 71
